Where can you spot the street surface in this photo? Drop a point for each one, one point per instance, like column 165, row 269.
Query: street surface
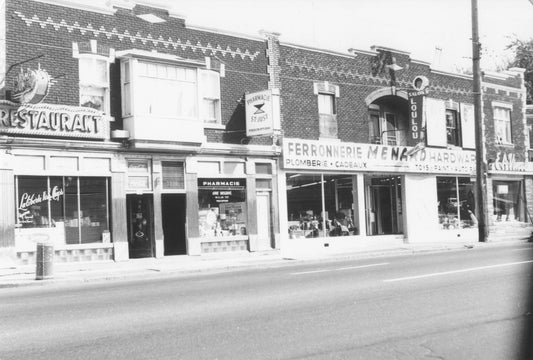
column 467, row 304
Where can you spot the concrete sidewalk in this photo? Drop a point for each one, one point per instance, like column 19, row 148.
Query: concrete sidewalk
column 83, row 272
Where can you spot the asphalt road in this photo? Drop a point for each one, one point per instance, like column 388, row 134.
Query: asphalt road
column 470, row 304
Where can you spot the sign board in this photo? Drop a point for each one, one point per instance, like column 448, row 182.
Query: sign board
column 223, row 190
column 31, row 86
column 416, row 113
column 320, row 155
column 416, row 109
column 260, row 113
column 49, row 120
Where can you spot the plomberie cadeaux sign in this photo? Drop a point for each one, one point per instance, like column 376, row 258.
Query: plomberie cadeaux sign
column 334, row 156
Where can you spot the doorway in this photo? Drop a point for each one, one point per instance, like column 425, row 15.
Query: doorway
column 264, row 234
column 384, row 205
column 173, row 213
column 140, row 225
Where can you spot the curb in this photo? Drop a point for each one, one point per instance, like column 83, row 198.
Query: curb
column 27, row 279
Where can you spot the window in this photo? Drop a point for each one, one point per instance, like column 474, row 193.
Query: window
column 391, row 133
column 502, row 125
column 64, row 209
column 166, row 90
column 94, row 82
column 452, row 128
column 320, row 206
column 210, row 96
column 126, row 88
column 222, row 207
column 327, row 113
column 456, row 203
column 508, row 200
column 375, row 130
column 173, row 175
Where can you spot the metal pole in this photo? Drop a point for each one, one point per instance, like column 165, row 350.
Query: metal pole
column 481, row 181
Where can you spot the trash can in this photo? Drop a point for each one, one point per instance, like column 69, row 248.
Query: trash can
column 44, row 260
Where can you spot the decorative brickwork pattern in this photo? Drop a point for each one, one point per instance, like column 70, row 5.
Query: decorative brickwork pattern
column 125, row 35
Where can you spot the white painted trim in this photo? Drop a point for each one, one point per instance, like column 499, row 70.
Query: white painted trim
column 80, row 6
column 199, row 27
column 505, row 105
column 385, row 48
column 448, row 73
column 486, row 85
column 323, row 51
column 496, row 75
column 158, row 56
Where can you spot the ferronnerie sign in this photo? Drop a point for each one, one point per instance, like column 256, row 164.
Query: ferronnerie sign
column 52, row 121
column 320, row 155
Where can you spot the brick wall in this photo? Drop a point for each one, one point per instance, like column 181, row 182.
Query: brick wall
column 35, row 28
column 356, row 77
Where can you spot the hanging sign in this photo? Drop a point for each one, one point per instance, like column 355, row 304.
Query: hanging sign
column 259, row 113
column 31, row 86
column 416, row 109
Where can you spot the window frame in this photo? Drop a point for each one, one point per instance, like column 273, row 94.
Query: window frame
column 85, row 84
column 507, row 122
column 457, row 131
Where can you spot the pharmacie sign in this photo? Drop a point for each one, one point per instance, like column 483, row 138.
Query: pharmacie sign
column 52, row 120
column 319, row 155
column 260, row 113
column 223, row 190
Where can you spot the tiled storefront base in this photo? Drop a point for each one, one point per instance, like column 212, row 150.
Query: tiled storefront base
column 70, row 255
column 224, row 246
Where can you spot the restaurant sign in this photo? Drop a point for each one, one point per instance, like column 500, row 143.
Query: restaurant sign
column 335, row 156
column 52, row 121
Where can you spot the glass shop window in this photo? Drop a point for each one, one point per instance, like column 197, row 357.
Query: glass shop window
column 456, row 203
column 65, row 210
column 316, row 213
column 508, row 201
column 222, row 207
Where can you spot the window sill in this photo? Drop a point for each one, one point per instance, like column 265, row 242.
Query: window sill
column 214, row 126
column 507, row 145
column 330, row 139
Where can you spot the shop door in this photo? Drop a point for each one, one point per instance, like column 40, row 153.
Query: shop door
column 264, row 235
column 173, row 215
column 384, row 205
column 140, row 225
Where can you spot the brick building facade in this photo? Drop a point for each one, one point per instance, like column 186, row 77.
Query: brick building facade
column 167, row 167
column 146, row 140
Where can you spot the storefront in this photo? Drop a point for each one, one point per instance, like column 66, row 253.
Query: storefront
column 344, row 194
column 509, row 198
column 58, row 167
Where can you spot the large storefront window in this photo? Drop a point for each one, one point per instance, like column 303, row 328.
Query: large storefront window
column 62, row 210
column 222, row 207
column 508, row 200
column 320, row 205
column 456, row 203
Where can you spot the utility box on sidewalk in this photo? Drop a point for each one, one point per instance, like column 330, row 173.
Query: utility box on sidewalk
column 44, row 260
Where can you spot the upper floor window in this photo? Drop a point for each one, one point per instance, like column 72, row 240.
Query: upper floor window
column 170, row 91
column 327, row 115
column 391, row 131
column 502, row 124
column 93, row 72
column 210, row 96
column 327, row 95
column 94, row 82
column 453, row 131
column 166, row 90
column 375, row 128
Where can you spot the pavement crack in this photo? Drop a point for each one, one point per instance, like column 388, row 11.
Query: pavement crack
column 431, row 354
